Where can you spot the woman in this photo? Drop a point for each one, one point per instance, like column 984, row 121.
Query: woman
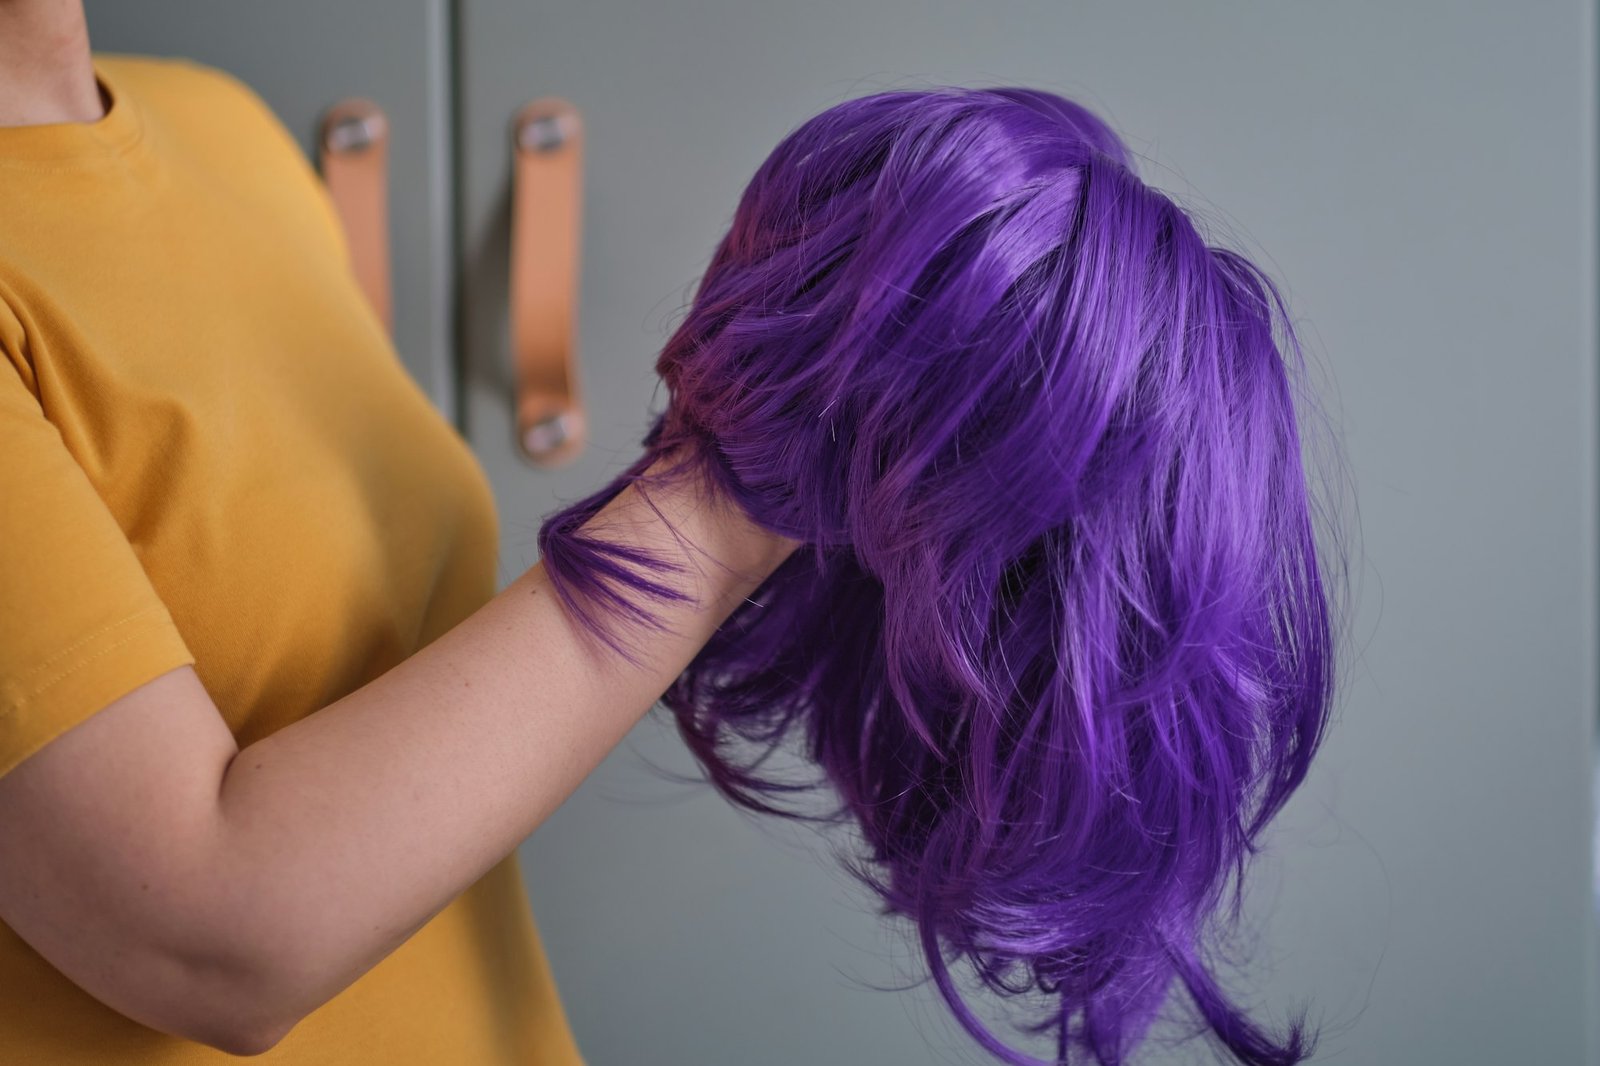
column 268, row 737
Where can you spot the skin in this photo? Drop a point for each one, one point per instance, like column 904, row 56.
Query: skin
column 45, row 69
column 221, row 894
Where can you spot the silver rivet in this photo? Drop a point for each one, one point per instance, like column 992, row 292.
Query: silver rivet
column 354, row 133
column 543, row 134
column 546, row 435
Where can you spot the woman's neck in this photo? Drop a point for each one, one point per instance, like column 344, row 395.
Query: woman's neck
column 46, row 73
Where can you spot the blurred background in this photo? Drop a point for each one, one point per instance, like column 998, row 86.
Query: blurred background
column 1418, row 176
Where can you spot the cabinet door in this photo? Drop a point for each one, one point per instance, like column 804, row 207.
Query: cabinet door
column 302, row 56
column 1416, row 175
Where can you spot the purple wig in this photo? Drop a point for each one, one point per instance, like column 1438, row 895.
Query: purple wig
column 1057, row 635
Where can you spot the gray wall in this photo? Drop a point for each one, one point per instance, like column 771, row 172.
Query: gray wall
column 1419, row 176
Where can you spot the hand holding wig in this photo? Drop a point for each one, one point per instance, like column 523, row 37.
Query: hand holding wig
column 1057, row 634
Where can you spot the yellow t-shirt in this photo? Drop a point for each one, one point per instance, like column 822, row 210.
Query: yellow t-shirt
column 211, row 454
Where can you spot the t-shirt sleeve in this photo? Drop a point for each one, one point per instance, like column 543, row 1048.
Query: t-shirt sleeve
column 80, row 622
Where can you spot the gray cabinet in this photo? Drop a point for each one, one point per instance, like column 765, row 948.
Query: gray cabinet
column 1421, row 178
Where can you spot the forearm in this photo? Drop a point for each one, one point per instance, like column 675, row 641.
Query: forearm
column 339, row 836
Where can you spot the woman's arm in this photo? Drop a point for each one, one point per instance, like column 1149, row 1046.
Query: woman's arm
column 223, row 894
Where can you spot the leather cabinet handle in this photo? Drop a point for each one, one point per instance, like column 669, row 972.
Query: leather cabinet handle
column 353, row 149
column 546, row 209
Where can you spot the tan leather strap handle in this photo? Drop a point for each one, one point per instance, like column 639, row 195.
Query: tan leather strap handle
column 354, row 156
column 546, row 209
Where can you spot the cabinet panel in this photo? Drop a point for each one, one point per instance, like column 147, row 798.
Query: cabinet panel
column 1418, row 176
column 301, row 56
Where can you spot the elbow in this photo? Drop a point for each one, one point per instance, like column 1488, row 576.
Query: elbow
column 245, row 975
column 214, row 961
column 246, row 1013
column 233, row 1038
column 241, row 1029
column 228, row 1005
column 248, row 1042
column 236, row 1028
column 204, row 1018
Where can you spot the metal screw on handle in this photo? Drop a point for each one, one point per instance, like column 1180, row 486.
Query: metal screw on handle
column 355, row 133
column 544, row 133
column 547, row 435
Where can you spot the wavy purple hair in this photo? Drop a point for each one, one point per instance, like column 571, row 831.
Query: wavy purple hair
column 1057, row 633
